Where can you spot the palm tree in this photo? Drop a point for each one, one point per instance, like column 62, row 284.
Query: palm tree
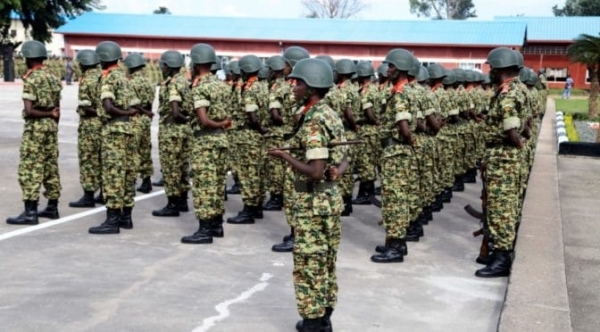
column 162, row 10
column 586, row 50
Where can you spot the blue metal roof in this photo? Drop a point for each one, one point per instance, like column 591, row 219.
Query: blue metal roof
column 559, row 29
column 422, row 32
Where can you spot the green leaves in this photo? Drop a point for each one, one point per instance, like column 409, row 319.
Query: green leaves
column 443, row 9
column 578, row 8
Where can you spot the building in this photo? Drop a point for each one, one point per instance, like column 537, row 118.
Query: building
column 17, row 32
column 462, row 44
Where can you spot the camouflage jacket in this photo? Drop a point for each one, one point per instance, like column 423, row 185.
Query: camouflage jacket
column 115, row 86
column 238, row 116
column 342, row 96
column 143, row 88
column 505, row 112
column 254, row 99
column 43, row 90
column 398, row 108
column 88, row 94
column 176, row 88
column 370, row 98
column 209, row 92
column 281, row 98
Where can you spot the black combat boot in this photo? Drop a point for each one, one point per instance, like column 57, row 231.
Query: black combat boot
column 414, row 231
column 381, row 248
column 309, row 325
column 86, row 201
column 100, row 198
column 110, row 225
column 236, row 188
column 438, row 204
column 51, row 210
column 378, row 191
column 470, row 176
column 428, row 214
column 226, row 198
column 486, row 260
column 275, row 203
column 159, row 183
column 347, row 206
column 287, row 245
column 458, row 183
column 170, row 210
column 146, row 186
column 216, row 226
column 126, row 222
column 202, row 236
column 244, row 217
column 28, row 217
column 365, row 191
column 447, row 195
column 257, row 213
column 182, row 202
column 499, row 267
column 326, row 325
column 392, row 253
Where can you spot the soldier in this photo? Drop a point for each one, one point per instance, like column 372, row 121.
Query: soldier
column 234, row 79
column 90, row 128
column 117, row 101
column 503, row 159
column 368, row 153
column 209, row 147
column 174, row 134
column 39, row 144
column 142, row 121
column 317, row 201
column 250, row 142
column 398, row 162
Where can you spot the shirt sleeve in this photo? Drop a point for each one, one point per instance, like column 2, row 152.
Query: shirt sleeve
column 174, row 93
column 402, row 108
column 201, row 96
column 29, row 91
column 107, row 90
column 251, row 100
column 510, row 111
column 316, row 141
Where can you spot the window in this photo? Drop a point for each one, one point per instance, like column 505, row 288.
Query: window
column 469, row 65
column 556, row 74
column 548, row 50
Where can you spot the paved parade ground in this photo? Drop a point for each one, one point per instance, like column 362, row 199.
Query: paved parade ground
column 57, row 277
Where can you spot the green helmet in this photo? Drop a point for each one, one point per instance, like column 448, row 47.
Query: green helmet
column 479, row 77
column 459, row 75
column 293, row 54
column 345, row 67
column 486, row 79
column 134, row 60
column 415, row 69
column 315, row 73
column 533, row 78
column 203, row 53
column 88, row 58
column 503, row 57
column 33, row 49
column 470, row 76
column 365, row 69
column 233, row 67
column 450, row 78
column 250, row 64
column 423, row 74
column 276, row 63
column 109, row 51
column 215, row 66
column 382, row 70
column 263, row 72
column 327, row 59
column 520, row 58
column 436, row 71
column 402, row 59
column 171, row 59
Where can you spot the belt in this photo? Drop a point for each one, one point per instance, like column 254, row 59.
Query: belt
column 288, row 136
column 124, row 118
column 310, row 187
column 206, row 132
column 389, row 142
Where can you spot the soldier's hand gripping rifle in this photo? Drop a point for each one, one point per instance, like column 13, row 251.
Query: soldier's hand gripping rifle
column 484, row 249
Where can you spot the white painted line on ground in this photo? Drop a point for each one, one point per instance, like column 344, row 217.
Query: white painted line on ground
column 69, row 218
column 223, row 307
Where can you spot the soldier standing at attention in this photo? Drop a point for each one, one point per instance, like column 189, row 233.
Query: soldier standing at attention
column 90, row 128
column 117, row 102
column 174, row 135
column 39, row 144
column 142, row 121
column 318, row 202
column 503, row 159
column 234, row 79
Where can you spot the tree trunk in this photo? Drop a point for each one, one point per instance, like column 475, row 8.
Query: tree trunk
column 7, row 51
column 593, row 99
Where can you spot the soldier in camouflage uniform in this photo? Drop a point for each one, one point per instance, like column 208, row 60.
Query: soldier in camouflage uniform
column 503, row 159
column 250, row 142
column 368, row 153
column 209, row 147
column 39, row 144
column 318, row 202
column 142, row 121
column 118, row 101
column 174, row 134
column 234, row 79
column 398, row 162
column 384, row 91
column 90, row 128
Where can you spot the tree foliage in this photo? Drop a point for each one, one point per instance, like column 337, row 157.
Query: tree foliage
column 162, row 10
column 578, row 8
column 586, row 50
column 333, row 8
column 443, row 9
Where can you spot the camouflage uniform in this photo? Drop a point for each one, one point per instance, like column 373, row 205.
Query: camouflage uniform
column 39, row 144
column 317, row 211
column 503, row 164
column 141, row 123
column 466, row 130
column 173, row 137
column 89, row 130
column 368, row 153
column 118, row 172
column 238, row 117
column 455, row 130
column 445, row 139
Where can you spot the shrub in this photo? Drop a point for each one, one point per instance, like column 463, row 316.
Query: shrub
column 570, row 129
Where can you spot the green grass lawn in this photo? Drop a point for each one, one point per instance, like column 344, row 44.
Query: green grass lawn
column 572, row 106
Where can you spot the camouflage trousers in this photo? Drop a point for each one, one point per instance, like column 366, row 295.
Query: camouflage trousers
column 38, row 165
column 274, row 168
column 250, row 161
column 503, row 184
column 367, row 155
column 458, row 152
column 232, row 151
column 527, row 154
column 174, row 154
column 446, row 139
column 208, row 184
column 346, row 184
column 397, row 173
column 470, row 142
column 425, row 153
column 288, row 195
column 118, row 169
column 317, row 239
column 89, row 152
column 143, row 143
column 480, row 139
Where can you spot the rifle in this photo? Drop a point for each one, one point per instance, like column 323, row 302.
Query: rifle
column 331, row 145
column 484, row 249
